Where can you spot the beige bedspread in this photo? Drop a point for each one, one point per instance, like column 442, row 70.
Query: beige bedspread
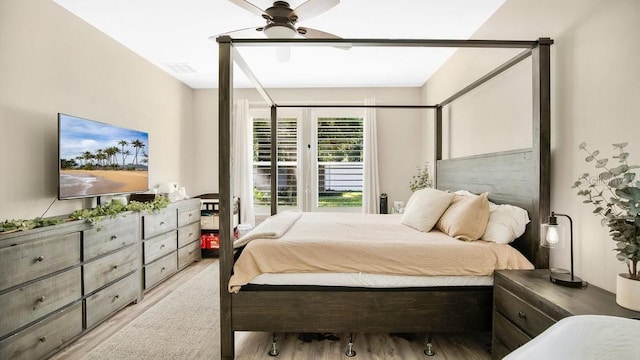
column 368, row 243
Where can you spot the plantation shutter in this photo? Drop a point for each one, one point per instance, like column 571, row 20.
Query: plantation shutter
column 287, row 161
column 340, row 162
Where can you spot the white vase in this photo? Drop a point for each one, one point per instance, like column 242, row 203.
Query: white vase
column 628, row 292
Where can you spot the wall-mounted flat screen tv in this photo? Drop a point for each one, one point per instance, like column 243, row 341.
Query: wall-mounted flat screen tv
column 97, row 159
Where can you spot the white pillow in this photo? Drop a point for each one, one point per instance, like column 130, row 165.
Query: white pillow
column 425, row 207
column 506, row 223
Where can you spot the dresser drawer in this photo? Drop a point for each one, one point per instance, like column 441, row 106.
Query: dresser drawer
column 507, row 333
column 189, row 254
column 31, row 302
column 188, row 234
column 104, row 270
column 154, row 224
column 111, row 299
column 189, row 216
column 160, row 270
column 531, row 320
column 110, row 235
column 42, row 338
column 159, row 246
column 29, row 261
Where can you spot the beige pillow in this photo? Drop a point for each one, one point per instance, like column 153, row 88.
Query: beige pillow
column 466, row 217
column 425, row 207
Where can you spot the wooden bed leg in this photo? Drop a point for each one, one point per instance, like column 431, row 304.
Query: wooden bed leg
column 429, row 350
column 350, row 352
column 274, row 346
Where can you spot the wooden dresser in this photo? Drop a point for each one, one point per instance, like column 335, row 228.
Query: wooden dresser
column 171, row 240
column 58, row 282
column 525, row 303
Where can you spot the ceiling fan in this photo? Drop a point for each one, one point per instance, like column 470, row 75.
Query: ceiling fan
column 281, row 21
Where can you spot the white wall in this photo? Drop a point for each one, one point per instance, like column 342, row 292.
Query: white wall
column 399, row 131
column 50, row 62
column 594, row 99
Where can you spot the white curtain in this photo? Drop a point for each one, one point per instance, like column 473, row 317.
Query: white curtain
column 242, row 160
column 371, row 187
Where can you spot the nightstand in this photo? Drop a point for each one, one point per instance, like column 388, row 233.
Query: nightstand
column 525, row 303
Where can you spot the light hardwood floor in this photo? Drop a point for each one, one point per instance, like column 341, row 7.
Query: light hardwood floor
column 255, row 345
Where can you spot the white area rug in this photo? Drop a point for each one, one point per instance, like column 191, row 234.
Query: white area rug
column 183, row 325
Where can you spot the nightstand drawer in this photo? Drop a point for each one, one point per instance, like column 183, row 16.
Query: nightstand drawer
column 531, row 320
column 507, row 333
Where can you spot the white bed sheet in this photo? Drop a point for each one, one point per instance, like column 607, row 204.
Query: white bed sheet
column 369, row 280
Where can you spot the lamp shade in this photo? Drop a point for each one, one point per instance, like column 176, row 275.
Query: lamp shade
column 552, row 236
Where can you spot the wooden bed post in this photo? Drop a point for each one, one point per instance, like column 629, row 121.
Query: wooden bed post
column 274, row 160
column 541, row 59
column 225, row 106
column 438, row 142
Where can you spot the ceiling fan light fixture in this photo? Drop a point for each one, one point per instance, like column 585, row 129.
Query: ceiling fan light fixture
column 279, row 31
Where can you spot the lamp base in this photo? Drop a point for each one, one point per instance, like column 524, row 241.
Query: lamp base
column 564, row 279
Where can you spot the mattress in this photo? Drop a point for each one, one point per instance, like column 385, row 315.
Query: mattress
column 356, row 244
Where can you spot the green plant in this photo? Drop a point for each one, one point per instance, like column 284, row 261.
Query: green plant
column 421, row 179
column 22, row 225
column 112, row 209
column 615, row 193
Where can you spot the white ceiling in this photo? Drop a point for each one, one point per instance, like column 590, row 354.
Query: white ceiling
column 174, row 35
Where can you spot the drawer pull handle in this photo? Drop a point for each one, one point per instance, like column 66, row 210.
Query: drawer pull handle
column 40, row 258
column 161, row 222
column 116, row 297
column 190, row 234
column 42, row 299
column 161, row 270
column 113, row 237
column 115, row 267
column 190, row 215
column 42, row 338
column 162, row 246
column 522, row 315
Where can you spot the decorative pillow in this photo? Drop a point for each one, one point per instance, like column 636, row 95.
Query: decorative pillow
column 506, row 223
column 425, row 207
column 466, row 218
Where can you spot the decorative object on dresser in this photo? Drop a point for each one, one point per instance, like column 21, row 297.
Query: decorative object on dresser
column 615, row 193
column 552, row 236
column 525, row 304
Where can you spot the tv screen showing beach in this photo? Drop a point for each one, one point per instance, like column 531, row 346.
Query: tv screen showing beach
column 100, row 159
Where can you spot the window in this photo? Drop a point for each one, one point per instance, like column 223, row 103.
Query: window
column 287, row 161
column 320, row 160
column 339, row 162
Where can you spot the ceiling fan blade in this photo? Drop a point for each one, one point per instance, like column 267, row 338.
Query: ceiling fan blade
column 312, row 8
column 310, row 33
column 246, row 33
column 251, row 8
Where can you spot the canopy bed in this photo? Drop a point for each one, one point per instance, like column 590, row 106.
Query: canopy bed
column 519, row 177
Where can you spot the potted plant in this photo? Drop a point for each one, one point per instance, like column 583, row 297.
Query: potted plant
column 421, row 179
column 615, row 194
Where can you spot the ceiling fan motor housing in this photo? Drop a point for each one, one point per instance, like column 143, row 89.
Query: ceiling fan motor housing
column 281, row 14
